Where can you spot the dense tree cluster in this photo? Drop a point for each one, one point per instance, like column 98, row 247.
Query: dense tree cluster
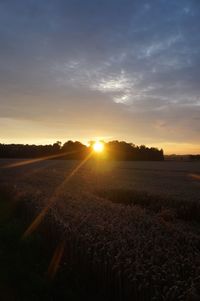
column 116, row 150
column 121, row 150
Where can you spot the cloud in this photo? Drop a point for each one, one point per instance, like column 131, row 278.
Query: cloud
column 135, row 62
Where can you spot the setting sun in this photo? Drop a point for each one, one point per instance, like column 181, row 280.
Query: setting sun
column 98, row 147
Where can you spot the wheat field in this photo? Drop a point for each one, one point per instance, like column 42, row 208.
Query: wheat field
column 130, row 228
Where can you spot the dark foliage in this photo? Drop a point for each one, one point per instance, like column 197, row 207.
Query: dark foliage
column 115, row 150
column 123, row 151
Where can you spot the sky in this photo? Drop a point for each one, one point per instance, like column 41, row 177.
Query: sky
column 101, row 69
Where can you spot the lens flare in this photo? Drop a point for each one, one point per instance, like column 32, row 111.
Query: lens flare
column 98, row 147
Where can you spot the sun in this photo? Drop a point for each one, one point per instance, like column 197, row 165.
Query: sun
column 98, row 147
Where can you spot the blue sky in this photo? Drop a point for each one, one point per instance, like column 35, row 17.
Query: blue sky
column 111, row 69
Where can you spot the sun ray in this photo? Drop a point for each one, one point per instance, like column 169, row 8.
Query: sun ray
column 55, row 261
column 31, row 161
column 39, row 218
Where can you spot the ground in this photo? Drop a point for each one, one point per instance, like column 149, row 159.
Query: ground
column 124, row 229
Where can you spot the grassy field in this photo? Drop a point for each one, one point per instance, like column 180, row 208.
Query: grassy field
column 117, row 231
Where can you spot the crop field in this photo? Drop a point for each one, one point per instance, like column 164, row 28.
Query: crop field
column 169, row 179
column 126, row 230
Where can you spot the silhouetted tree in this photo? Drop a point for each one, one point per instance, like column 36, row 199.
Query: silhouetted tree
column 116, row 150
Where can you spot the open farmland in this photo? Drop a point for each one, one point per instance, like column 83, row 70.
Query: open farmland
column 131, row 229
column 166, row 179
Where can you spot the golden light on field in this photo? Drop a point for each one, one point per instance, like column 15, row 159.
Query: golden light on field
column 98, row 147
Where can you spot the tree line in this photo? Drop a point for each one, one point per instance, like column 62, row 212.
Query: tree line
column 75, row 150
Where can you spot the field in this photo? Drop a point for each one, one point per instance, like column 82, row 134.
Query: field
column 122, row 230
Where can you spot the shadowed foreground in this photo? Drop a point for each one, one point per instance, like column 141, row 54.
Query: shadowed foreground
column 119, row 244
